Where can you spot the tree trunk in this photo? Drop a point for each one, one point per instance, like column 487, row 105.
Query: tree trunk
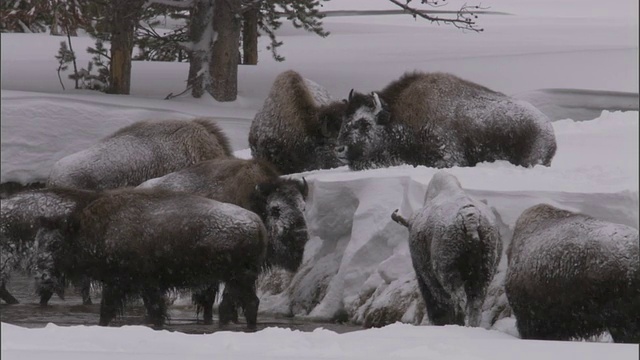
column 55, row 28
column 223, row 66
column 200, row 33
column 124, row 16
column 250, row 37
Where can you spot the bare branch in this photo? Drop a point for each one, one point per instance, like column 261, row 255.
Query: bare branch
column 465, row 17
column 177, row 4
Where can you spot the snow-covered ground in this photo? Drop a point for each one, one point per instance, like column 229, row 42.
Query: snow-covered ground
column 357, row 259
column 396, row 341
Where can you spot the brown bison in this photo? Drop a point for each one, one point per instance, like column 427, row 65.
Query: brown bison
column 21, row 229
column 571, row 275
column 455, row 249
column 255, row 186
column 439, row 120
column 148, row 241
column 297, row 126
column 141, row 151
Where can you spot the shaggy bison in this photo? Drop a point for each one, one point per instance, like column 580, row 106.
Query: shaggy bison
column 256, row 186
column 21, row 229
column 139, row 152
column 297, row 126
column 455, row 250
column 148, row 241
column 571, row 275
column 439, row 120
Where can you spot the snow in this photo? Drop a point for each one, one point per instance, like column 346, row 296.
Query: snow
column 357, row 260
column 134, row 342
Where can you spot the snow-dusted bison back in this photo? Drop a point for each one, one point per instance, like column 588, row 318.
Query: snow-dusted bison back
column 139, row 152
column 440, row 120
column 571, row 275
column 455, row 249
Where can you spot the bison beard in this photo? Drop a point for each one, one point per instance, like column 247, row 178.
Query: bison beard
column 146, row 242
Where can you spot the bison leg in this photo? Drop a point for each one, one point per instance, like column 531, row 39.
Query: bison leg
column 6, row 296
column 112, row 303
column 626, row 335
column 45, row 296
column 625, row 326
column 85, row 290
column 228, row 309
column 438, row 311
column 249, row 301
column 156, row 306
column 204, row 300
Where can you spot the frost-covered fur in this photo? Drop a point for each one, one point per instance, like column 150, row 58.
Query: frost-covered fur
column 24, row 220
column 440, row 120
column 297, row 126
column 571, row 275
column 254, row 185
column 148, row 241
column 455, row 249
column 139, row 152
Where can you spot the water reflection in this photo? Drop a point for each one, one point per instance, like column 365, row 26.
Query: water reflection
column 182, row 317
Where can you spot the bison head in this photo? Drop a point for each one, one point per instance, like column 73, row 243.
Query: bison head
column 280, row 204
column 48, row 280
column 362, row 131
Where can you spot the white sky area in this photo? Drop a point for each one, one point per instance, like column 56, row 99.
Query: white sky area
column 355, row 248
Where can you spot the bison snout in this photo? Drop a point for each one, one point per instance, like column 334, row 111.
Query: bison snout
column 341, row 152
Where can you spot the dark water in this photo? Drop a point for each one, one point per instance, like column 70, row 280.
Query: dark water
column 182, row 318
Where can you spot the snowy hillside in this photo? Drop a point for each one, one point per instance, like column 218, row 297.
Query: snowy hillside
column 357, row 263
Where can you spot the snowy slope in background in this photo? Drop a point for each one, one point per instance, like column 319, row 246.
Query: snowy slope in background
column 516, row 53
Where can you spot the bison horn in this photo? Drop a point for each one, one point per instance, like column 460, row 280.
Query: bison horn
column 376, row 101
column 399, row 219
column 305, row 188
column 350, row 95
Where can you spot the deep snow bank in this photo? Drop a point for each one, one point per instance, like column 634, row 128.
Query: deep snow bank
column 357, row 262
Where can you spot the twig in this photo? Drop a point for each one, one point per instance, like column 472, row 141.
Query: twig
column 462, row 21
column 171, row 96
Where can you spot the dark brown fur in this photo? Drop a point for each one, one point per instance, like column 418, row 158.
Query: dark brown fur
column 292, row 131
column 148, row 241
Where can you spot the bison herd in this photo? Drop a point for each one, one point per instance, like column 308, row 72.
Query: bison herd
column 164, row 205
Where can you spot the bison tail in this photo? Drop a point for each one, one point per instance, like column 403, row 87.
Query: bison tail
column 399, row 219
column 469, row 217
